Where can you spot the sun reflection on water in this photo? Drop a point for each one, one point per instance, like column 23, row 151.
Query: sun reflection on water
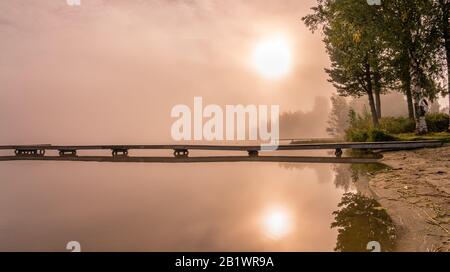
column 277, row 222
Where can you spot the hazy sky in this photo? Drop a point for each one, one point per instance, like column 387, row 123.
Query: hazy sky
column 111, row 71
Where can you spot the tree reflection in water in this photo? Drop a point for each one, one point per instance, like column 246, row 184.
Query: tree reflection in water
column 347, row 175
column 361, row 220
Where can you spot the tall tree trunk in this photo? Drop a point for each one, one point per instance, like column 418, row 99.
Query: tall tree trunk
column 377, row 83
column 378, row 102
column 421, row 124
column 448, row 76
column 406, row 81
column 446, row 35
column 405, row 75
column 373, row 109
column 409, row 98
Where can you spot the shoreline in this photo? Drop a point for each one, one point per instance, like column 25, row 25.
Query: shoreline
column 416, row 194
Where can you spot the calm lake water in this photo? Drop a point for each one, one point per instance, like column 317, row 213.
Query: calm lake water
column 248, row 206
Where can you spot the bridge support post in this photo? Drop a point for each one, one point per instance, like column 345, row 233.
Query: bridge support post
column 120, row 152
column 181, row 153
column 30, row 152
column 68, row 153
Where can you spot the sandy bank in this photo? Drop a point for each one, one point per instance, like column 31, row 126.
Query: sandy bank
column 416, row 194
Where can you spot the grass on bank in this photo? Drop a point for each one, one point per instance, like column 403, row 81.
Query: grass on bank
column 440, row 136
column 396, row 129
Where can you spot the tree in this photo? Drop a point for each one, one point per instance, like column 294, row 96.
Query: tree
column 413, row 40
column 338, row 120
column 392, row 46
column 353, row 39
column 360, row 220
column 400, row 65
column 442, row 11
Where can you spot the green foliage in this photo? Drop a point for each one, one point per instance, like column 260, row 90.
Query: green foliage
column 396, row 125
column 338, row 120
column 368, row 135
column 353, row 35
column 379, row 135
column 413, row 35
column 357, row 135
column 437, row 136
column 362, row 130
column 397, row 45
column 360, row 121
column 361, row 220
column 437, row 122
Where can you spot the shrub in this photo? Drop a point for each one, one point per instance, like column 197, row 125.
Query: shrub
column 437, row 122
column 356, row 135
column 397, row 125
column 362, row 130
column 368, row 135
column 379, row 135
column 360, row 121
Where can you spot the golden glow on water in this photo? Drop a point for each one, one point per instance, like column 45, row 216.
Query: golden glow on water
column 162, row 207
column 277, row 222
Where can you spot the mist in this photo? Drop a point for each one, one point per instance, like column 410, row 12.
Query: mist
column 111, row 71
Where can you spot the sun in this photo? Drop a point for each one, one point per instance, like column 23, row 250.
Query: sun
column 272, row 58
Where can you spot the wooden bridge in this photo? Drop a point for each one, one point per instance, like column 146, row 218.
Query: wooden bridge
column 181, row 152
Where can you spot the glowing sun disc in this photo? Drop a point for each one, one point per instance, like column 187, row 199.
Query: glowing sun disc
column 272, row 58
